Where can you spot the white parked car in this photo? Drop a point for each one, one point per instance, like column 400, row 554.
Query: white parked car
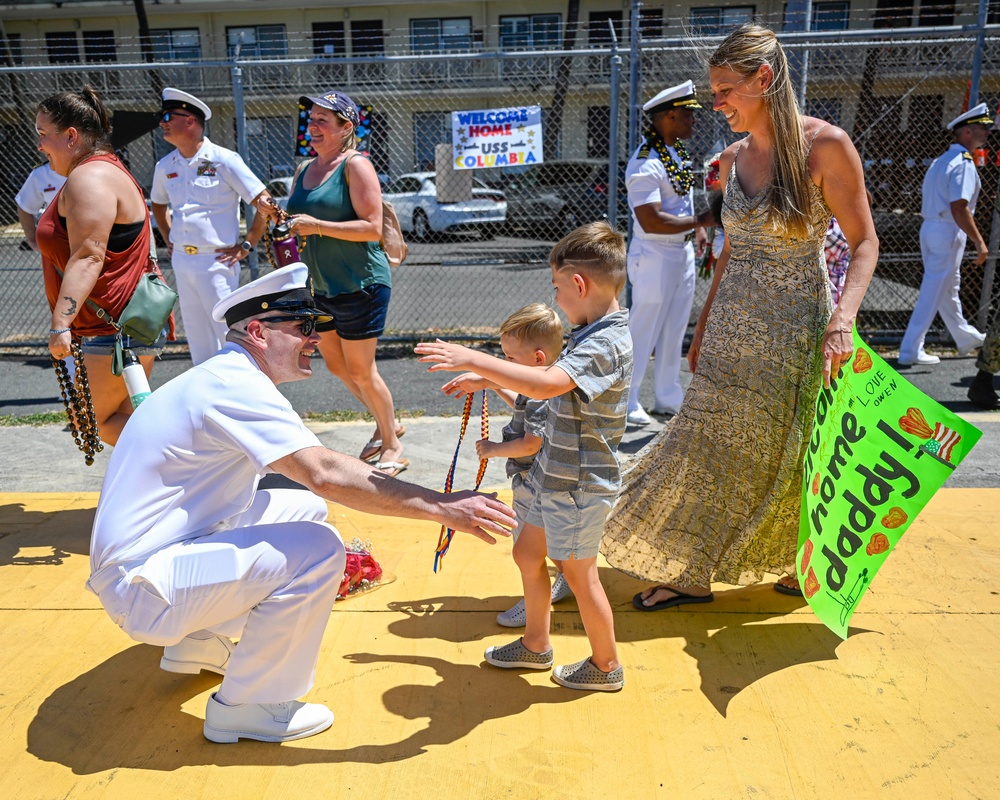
column 414, row 197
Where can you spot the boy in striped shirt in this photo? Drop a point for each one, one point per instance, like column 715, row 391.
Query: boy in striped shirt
column 576, row 474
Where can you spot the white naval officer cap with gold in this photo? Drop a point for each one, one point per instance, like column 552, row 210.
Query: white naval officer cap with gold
column 175, row 98
column 680, row 96
column 288, row 290
column 979, row 115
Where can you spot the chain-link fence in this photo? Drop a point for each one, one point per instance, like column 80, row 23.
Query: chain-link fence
column 470, row 267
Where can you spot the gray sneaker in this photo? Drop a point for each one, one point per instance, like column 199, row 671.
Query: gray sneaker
column 584, row 675
column 516, row 656
column 560, row 588
column 515, row 617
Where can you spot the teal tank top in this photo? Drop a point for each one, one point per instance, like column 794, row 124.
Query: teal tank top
column 337, row 267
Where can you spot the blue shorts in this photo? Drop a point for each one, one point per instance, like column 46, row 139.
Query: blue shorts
column 573, row 522
column 104, row 345
column 356, row 315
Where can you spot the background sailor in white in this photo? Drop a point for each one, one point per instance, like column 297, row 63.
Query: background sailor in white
column 661, row 265
column 951, row 188
column 203, row 183
column 37, row 191
column 186, row 552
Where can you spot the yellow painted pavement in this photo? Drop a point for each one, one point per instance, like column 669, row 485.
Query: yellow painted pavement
column 747, row 697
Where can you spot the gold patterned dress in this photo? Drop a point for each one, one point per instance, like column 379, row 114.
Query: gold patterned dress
column 716, row 494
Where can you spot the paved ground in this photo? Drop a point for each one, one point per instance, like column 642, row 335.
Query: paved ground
column 747, row 697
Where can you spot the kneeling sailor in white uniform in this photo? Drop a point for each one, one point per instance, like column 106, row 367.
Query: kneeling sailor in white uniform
column 186, row 553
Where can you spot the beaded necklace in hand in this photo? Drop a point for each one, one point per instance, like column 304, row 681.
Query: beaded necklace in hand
column 681, row 178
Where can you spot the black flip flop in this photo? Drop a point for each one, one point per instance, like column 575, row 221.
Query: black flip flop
column 681, row 599
column 791, row 591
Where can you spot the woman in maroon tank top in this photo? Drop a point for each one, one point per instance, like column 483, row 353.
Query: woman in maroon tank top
column 96, row 233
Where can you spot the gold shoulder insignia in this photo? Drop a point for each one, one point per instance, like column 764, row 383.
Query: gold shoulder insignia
column 967, row 155
column 644, row 152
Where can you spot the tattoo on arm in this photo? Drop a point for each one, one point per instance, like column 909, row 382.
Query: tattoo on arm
column 72, row 305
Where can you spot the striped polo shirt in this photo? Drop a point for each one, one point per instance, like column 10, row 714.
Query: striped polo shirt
column 584, row 426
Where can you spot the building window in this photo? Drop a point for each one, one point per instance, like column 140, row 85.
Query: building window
column 176, row 44
column 62, row 47
column 531, row 32
column 16, row 47
column 715, row 20
column 937, row 12
column 650, row 23
column 430, row 128
column 441, row 35
column 993, row 12
column 329, row 39
column 259, row 41
column 99, row 47
column 894, row 14
column 599, row 31
column 830, row 16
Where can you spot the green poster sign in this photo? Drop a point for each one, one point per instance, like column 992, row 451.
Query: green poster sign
column 879, row 451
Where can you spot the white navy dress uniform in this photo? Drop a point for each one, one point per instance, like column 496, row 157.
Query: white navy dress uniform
column 38, row 190
column 204, row 194
column 661, row 268
column 187, row 553
column 951, row 176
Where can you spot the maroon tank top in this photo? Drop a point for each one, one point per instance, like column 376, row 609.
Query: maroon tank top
column 120, row 273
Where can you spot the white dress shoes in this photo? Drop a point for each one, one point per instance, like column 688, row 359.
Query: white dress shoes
column 637, row 418
column 265, row 722
column 191, row 655
column 922, row 359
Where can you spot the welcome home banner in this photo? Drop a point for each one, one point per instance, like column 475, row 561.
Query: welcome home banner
column 879, row 451
column 497, row 137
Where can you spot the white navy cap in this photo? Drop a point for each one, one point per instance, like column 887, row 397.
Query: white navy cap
column 680, row 96
column 288, row 290
column 175, row 98
column 978, row 115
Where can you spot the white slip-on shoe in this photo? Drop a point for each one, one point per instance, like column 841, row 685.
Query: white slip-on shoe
column 923, row 359
column 516, row 656
column 637, row 418
column 265, row 722
column 191, row 655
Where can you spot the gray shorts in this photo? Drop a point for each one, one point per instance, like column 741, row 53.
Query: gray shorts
column 573, row 522
column 523, row 495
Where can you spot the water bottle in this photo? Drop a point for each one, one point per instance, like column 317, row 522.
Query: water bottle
column 286, row 250
column 135, row 378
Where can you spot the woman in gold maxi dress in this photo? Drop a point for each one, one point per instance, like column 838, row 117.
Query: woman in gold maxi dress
column 716, row 495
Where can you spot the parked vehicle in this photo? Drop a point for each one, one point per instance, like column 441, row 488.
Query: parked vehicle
column 414, row 197
column 557, row 196
column 279, row 189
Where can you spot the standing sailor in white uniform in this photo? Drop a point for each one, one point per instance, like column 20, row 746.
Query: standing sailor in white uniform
column 951, row 188
column 203, row 183
column 661, row 265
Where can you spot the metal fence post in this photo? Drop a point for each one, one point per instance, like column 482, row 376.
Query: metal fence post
column 240, row 113
column 634, row 78
column 990, row 268
column 613, row 112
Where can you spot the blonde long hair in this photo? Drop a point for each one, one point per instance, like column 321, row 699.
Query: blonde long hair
column 744, row 51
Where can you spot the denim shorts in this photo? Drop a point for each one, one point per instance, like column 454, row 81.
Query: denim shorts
column 356, row 315
column 573, row 522
column 104, row 345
